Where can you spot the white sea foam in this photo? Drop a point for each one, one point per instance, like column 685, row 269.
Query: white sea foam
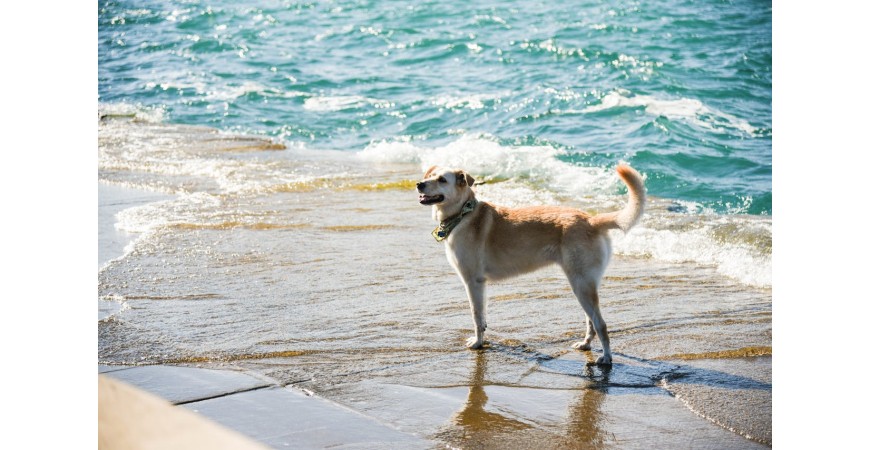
column 336, row 103
column 151, row 216
column 538, row 165
column 697, row 245
column 474, row 47
column 143, row 220
column 234, row 92
column 691, row 110
column 175, row 79
column 111, row 305
column 474, row 101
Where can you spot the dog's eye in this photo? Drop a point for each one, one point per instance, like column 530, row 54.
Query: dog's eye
column 442, row 180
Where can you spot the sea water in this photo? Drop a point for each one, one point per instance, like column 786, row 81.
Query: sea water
column 284, row 140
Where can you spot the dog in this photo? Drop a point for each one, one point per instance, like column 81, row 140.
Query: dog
column 485, row 242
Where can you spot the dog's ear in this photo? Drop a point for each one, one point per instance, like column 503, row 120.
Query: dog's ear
column 463, row 179
column 429, row 172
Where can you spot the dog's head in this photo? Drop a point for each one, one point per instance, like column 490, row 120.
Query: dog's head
column 444, row 187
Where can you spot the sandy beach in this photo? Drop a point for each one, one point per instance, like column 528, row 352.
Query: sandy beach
column 333, row 289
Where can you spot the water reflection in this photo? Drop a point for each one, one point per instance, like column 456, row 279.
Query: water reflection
column 482, row 425
column 474, row 419
column 585, row 421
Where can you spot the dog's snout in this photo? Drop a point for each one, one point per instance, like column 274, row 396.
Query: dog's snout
column 421, row 185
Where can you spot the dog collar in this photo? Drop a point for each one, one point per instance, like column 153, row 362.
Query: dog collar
column 446, row 226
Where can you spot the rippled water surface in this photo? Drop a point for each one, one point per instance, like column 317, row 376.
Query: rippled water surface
column 680, row 89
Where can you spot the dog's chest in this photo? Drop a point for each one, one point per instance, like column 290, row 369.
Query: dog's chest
column 453, row 253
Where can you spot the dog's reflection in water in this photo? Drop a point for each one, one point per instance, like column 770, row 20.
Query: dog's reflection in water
column 474, row 417
column 479, row 426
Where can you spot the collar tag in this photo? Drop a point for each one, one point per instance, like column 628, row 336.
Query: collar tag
column 446, row 226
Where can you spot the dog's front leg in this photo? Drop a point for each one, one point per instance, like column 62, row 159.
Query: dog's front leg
column 475, row 288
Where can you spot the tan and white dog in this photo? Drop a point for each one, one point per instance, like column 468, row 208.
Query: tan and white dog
column 486, row 242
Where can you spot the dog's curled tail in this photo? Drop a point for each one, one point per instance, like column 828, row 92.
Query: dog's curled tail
column 628, row 216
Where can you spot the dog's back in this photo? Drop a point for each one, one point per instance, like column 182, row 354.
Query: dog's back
column 513, row 241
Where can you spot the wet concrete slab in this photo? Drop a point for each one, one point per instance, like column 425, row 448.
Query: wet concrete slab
column 272, row 415
column 289, row 418
column 186, row 384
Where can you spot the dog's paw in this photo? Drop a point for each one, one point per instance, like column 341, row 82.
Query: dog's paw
column 604, row 360
column 582, row 346
column 473, row 343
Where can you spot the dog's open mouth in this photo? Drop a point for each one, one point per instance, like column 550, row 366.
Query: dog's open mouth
column 431, row 199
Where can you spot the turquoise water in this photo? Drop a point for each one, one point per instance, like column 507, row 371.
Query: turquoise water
column 681, row 90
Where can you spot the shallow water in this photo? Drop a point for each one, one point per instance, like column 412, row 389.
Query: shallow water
column 318, row 269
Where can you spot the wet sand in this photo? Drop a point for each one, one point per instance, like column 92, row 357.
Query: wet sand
column 336, row 287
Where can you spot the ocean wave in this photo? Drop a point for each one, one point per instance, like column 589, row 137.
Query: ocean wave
column 198, row 211
column 111, row 305
column 219, row 93
column 691, row 110
column 151, row 216
column 176, row 83
column 234, row 92
column 338, row 103
column 737, row 258
column 487, row 159
column 474, row 101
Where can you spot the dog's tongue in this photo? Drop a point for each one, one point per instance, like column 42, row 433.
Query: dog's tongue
column 428, row 199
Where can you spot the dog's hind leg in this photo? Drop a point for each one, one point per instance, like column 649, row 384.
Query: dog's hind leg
column 475, row 287
column 587, row 294
column 586, row 343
